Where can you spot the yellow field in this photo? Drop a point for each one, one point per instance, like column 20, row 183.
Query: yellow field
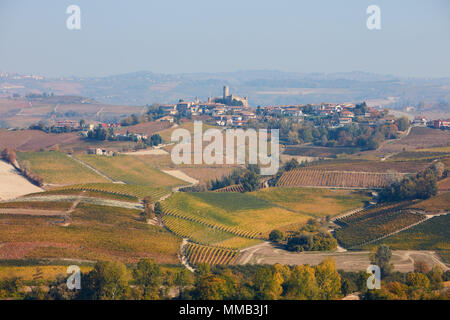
column 28, row 273
column 314, row 201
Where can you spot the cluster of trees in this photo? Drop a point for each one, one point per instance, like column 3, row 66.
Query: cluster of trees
column 352, row 135
column 153, row 113
column 421, row 186
column 311, row 237
column 147, row 280
column 9, row 155
column 249, row 178
column 424, row 283
column 103, row 134
column 318, row 241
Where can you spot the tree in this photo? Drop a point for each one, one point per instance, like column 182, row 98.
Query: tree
column 302, row 284
column 158, row 208
column 328, row 279
column 182, row 279
column 403, row 123
column 155, row 140
column 421, row 266
column 381, row 257
column 250, row 181
column 107, row 281
column 276, row 236
column 147, row 275
column 9, row 155
column 210, row 287
column 438, row 169
column 267, row 284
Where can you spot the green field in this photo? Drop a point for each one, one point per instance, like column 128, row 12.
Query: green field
column 95, row 233
column 58, row 168
column 131, row 170
column 314, row 201
column 433, row 234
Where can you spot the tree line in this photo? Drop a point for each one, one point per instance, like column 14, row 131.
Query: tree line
column 147, row 280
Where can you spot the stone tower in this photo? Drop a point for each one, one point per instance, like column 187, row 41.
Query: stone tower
column 226, row 92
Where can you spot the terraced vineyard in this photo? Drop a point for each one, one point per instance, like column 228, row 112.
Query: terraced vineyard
column 196, row 232
column 432, row 234
column 368, row 226
column 132, row 191
column 233, row 188
column 196, row 254
column 371, row 212
column 338, row 179
column 183, row 215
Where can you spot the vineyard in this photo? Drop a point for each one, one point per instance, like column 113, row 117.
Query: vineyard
column 132, row 191
column 233, row 188
column 196, row 254
column 183, row 215
column 364, row 227
column 371, row 212
column 196, row 232
column 432, row 234
column 336, row 179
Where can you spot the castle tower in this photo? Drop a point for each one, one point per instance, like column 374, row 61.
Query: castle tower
column 226, row 92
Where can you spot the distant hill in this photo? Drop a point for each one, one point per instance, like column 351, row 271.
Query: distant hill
column 263, row 87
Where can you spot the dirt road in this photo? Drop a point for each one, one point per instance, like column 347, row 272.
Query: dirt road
column 267, row 253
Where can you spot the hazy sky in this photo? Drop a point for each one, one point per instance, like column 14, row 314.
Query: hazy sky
column 172, row 36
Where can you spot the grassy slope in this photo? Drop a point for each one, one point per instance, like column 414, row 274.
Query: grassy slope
column 131, row 170
column 58, row 168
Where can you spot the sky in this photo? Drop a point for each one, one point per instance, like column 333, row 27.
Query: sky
column 188, row 36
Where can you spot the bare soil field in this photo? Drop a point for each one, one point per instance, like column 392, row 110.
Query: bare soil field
column 266, row 253
column 205, row 174
column 151, row 152
column 147, row 128
column 338, row 179
column 444, row 185
column 34, row 140
column 371, row 166
column 12, row 184
column 418, row 138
